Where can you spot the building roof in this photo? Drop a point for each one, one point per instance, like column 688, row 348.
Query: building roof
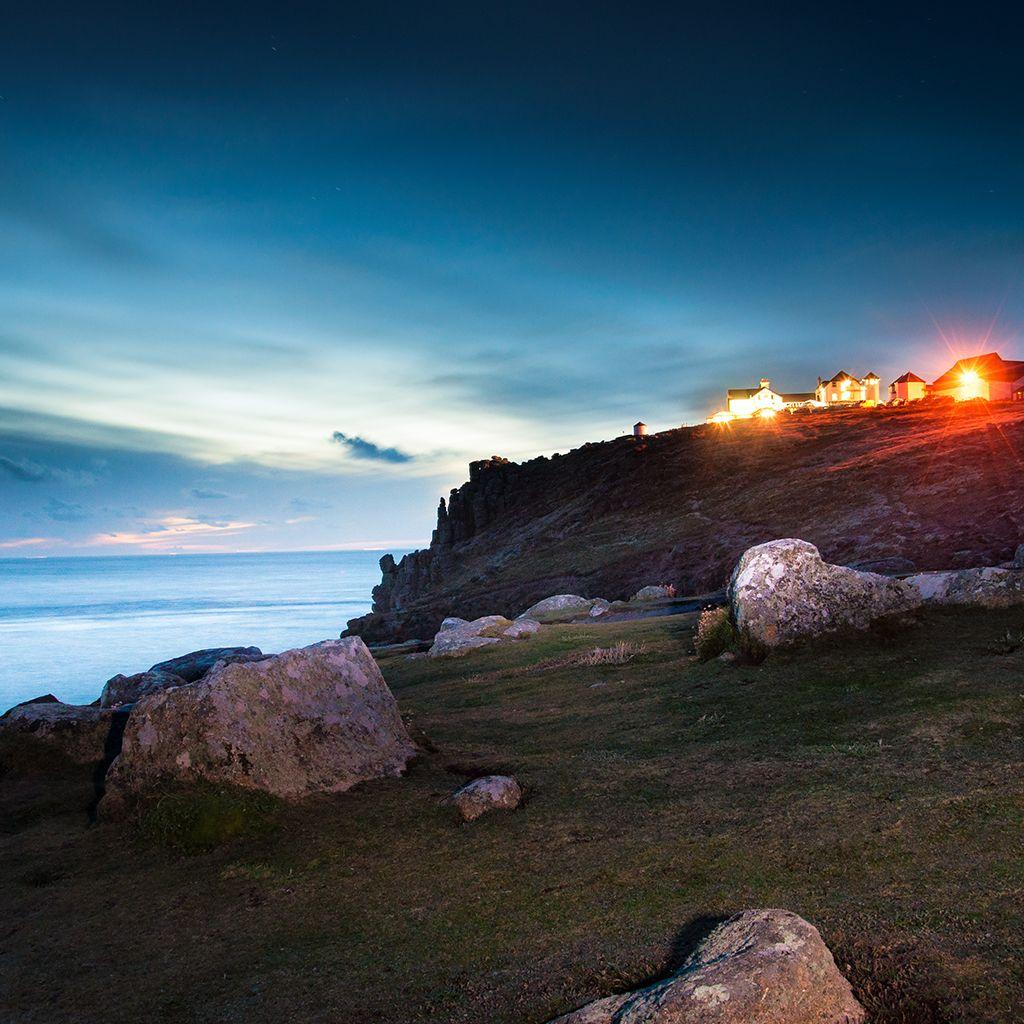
column 990, row 366
column 743, row 392
column 801, row 396
column 839, row 378
column 908, row 378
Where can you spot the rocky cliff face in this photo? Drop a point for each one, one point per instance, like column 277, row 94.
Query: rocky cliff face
column 928, row 486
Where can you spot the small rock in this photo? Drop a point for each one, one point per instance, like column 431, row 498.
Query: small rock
column 763, row 966
column 521, row 628
column 1018, row 557
column 453, row 622
column 560, row 608
column 599, row 607
column 783, row 592
column 128, row 689
column 456, row 641
column 192, row 667
column 728, row 657
column 654, row 593
column 491, row 793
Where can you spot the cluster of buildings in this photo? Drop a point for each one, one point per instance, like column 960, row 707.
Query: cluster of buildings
column 988, row 376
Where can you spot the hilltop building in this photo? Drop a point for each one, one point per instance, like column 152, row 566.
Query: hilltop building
column 908, row 388
column 987, row 376
column 845, row 389
column 742, row 403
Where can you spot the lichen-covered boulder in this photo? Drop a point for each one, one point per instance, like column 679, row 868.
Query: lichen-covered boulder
column 987, row 587
column 759, row 967
column 196, row 664
column 452, row 622
column 783, row 592
column 457, row 640
column 654, row 593
column 490, row 793
column 128, row 689
column 314, row 719
column 599, row 607
column 82, row 734
column 560, row 608
column 521, row 628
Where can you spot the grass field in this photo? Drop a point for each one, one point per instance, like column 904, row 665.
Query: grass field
column 873, row 786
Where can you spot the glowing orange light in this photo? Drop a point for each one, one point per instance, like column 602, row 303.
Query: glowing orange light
column 766, row 414
column 722, row 418
column 970, row 377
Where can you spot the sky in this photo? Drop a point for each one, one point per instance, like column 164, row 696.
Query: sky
column 272, row 275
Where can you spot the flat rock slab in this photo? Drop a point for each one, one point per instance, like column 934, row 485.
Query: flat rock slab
column 783, row 592
column 559, row 608
column 988, row 587
column 759, row 967
column 314, row 719
column 490, row 793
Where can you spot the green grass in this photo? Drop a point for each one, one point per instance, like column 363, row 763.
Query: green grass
column 874, row 786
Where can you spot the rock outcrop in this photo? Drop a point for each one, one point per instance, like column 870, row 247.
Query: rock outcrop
column 919, row 485
column 759, row 967
column 128, row 689
column 490, row 793
column 314, row 719
column 80, row 734
column 987, row 587
column 783, row 592
column 195, row 665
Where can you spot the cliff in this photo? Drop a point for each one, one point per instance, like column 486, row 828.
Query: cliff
column 928, row 486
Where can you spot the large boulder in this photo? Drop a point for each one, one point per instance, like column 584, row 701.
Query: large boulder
column 82, row 734
column 759, row 967
column 783, row 592
column 490, row 793
column 195, row 665
column 560, row 608
column 460, row 638
column 314, row 719
column 521, row 629
column 978, row 588
column 127, row 689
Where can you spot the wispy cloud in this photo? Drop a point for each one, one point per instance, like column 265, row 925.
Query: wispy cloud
column 202, row 494
column 28, row 542
column 28, row 472
column 65, row 511
column 360, row 448
column 173, row 533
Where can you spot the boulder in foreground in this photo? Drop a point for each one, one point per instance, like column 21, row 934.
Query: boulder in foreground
column 783, row 592
column 490, row 793
column 193, row 666
column 82, row 734
column 314, row 719
column 759, row 967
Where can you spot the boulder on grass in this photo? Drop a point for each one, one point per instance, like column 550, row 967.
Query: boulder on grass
column 195, row 665
column 82, row 734
column 314, row 719
column 127, row 689
column 521, row 628
column 560, row 608
column 783, row 592
column 599, row 607
column 763, row 966
column 457, row 640
column 654, row 593
column 988, row 587
column 490, row 793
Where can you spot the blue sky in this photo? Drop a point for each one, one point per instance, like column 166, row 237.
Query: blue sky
column 272, row 275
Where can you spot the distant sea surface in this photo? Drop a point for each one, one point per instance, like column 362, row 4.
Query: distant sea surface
column 69, row 624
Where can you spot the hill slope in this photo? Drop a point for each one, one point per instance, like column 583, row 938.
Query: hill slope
column 933, row 485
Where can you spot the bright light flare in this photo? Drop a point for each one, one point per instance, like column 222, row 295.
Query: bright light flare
column 766, row 414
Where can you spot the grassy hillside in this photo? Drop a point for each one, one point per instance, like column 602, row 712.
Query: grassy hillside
column 932, row 485
column 874, row 787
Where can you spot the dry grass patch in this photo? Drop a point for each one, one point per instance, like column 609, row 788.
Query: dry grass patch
column 618, row 654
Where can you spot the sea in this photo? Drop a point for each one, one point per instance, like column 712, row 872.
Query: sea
column 69, row 624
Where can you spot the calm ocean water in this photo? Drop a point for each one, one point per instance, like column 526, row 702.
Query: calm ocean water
column 68, row 624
